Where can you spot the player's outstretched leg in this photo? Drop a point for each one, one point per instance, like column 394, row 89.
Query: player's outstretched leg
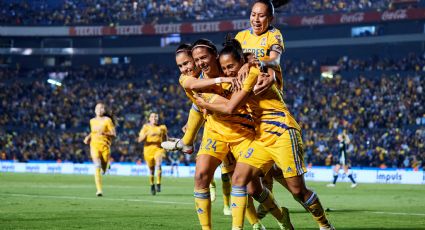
column 194, row 123
column 309, row 200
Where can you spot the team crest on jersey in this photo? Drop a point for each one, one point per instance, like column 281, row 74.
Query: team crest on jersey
column 263, row 42
column 234, row 205
column 278, row 38
column 244, row 43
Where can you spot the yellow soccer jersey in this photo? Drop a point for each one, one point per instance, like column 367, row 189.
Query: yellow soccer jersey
column 262, row 45
column 97, row 127
column 269, row 110
column 228, row 128
column 189, row 93
column 155, row 134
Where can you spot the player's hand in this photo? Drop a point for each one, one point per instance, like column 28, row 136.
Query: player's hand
column 243, row 72
column 236, row 84
column 87, row 140
column 264, row 82
column 199, row 100
column 184, row 128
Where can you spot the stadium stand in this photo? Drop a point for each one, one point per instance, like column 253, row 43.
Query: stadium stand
column 380, row 108
column 92, row 12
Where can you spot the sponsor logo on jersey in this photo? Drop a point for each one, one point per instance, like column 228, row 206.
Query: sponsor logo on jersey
column 289, row 170
column 257, row 52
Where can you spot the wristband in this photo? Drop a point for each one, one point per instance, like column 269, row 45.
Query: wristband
column 217, row 80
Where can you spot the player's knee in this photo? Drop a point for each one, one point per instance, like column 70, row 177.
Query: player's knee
column 201, row 179
column 158, row 167
column 225, row 177
column 97, row 163
column 254, row 191
column 239, row 179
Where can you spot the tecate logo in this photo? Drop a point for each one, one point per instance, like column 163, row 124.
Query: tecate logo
column 394, row 15
column 315, row 20
column 352, row 18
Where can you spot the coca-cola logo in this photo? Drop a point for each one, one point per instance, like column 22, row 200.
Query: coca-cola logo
column 314, row 20
column 394, row 15
column 352, row 18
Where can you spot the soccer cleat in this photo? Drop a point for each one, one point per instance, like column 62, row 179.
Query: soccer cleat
column 258, row 226
column 227, row 211
column 330, row 185
column 213, row 193
column 261, row 211
column 285, row 222
column 158, row 187
column 177, row 145
column 329, row 227
column 353, row 185
column 99, row 194
column 153, row 191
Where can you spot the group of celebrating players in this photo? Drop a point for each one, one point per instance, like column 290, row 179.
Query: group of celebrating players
column 248, row 130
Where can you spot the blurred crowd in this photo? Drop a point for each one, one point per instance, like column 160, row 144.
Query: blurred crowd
column 108, row 12
column 383, row 114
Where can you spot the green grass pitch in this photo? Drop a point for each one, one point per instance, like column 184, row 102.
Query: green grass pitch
column 42, row 201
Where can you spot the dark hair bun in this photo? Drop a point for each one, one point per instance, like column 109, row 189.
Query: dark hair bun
column 279, row 3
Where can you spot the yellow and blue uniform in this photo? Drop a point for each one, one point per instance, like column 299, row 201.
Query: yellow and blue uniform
column 225, row 134
column 100, row 145
column 155, row 134
column 262, row 45
column 278, row 135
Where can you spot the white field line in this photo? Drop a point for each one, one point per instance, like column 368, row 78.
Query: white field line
column 95, row 198
column 172, row 202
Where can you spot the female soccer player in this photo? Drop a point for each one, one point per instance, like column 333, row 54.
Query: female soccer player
column 263, row 40
column 102, row 132
column 278, row 138
column 152, row 134
column 190, row 79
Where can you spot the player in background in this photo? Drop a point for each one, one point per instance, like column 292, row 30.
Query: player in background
column 343, row 159
column 152, row 134
column 102, row 131
column 266, row 43
column 174, row 158
column 278, row 140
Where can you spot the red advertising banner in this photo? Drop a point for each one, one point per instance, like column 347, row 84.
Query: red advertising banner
column 357, row 17
column 214, row 26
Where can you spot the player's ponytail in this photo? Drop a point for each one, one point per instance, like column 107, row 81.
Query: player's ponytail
column 279, row 3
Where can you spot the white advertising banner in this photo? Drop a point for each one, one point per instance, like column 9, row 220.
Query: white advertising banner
column 372, row 175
